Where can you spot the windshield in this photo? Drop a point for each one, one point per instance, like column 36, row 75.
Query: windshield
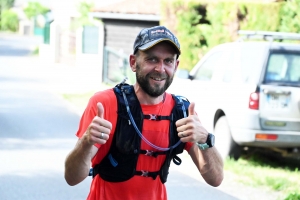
column 283, row 69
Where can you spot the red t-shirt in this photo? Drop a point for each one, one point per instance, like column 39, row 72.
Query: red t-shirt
column 157, row 132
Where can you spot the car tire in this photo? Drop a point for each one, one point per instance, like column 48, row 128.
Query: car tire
column 224, row 141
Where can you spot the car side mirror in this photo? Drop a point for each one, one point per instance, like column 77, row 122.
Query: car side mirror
column 191, row 77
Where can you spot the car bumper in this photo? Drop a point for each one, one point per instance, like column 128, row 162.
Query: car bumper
column 285, row 139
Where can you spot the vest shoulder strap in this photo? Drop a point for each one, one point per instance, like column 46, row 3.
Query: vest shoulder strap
column 181, row 104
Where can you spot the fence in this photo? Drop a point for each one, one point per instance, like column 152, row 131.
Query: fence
column 115, row 66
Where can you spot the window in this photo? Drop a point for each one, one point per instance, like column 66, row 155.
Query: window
column 206, row 70
column 234, row 63
column 283, row 67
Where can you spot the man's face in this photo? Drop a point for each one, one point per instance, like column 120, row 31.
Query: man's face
column 155, row 69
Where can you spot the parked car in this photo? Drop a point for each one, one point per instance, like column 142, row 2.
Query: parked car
column 248, row 94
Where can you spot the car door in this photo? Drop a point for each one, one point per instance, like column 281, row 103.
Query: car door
column 204, row 90
column 280, row 92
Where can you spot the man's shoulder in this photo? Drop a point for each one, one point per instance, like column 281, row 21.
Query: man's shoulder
column 104, row 93
column 104, row 96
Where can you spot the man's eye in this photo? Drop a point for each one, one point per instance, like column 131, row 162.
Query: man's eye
column 152, row 59
column 169, row 61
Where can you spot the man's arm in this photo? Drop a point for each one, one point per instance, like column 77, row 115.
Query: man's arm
column 78, row 162
column 209, row 161
column 209, row 164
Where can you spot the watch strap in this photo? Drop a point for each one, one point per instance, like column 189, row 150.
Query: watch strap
column 207, row 144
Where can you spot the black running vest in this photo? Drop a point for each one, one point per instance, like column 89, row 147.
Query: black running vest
column 120, row 162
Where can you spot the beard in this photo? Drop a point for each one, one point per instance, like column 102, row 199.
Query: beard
column 153, row 90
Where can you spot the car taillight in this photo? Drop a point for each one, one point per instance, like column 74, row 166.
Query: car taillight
column 254, row 101
column 262, row 136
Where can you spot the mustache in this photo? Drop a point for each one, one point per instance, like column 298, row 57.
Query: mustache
column 158, row 75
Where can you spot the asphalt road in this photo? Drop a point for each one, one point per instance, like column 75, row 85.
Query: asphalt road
column 37, row 130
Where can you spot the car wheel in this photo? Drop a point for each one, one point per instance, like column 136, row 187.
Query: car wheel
column 224, row 142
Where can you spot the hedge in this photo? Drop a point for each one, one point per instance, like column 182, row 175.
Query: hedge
column 201, row 25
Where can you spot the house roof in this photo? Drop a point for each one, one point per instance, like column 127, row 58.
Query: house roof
column 143, row 7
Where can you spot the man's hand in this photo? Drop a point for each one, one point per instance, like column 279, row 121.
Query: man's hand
column 99, row 129
column 208, row 162
column 190, row 128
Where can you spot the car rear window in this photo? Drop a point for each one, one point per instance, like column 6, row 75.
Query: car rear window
column 283, row 68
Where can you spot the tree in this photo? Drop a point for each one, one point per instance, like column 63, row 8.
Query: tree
column 9, row 21
column 34, row 9
column 5, row 5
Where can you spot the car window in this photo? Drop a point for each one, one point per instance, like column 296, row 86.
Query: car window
column 283, row 67
column 231, row 67
column 206, row 70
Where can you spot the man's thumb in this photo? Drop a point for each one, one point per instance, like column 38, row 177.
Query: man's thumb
column 192, row 109
column 100, row 110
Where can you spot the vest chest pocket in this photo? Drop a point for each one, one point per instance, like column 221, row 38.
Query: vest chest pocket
column 126, row 137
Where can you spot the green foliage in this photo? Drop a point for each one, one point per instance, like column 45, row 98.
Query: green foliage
column 201, row 25
column 36, row 51
column 256, row 18
column 9, row 21
column 84, row 8
column 290, row 17
column 260, row 170
column 34, row 9
column 293, row 196
column 192, row 48
column 6, row 4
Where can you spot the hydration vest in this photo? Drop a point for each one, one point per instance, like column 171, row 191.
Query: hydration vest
column 120, row 162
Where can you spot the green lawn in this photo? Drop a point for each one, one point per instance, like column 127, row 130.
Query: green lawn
column 259, row 170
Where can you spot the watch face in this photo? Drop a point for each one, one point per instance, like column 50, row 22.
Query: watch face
column 212, row 140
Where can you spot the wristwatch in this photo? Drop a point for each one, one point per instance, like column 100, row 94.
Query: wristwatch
column 210, row 142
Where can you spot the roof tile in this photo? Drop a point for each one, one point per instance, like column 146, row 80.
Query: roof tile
column 146, row 7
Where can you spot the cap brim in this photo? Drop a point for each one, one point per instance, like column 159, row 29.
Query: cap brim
column 154, row 42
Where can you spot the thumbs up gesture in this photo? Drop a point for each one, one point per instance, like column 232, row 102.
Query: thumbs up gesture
column 99, row 129
column 190, row 128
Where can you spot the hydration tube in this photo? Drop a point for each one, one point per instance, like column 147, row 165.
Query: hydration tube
column 138, row 131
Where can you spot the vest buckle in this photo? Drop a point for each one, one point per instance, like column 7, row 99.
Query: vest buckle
column 152, row 117
column 144, row 173
column 149, row 153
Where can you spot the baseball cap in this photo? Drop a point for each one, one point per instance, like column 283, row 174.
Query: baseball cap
column 149, row 37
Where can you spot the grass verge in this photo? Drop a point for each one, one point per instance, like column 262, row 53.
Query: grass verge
column 259, row 170
column 80, row 101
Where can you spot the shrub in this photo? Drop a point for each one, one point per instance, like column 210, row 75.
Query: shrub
column 34, row 9
column 9, row 21
column 293, row 196
column 201, row 25
column 290, row 17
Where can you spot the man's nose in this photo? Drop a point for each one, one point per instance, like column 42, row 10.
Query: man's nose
column 160, row 67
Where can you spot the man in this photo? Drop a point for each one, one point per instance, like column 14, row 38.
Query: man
column 131, row 133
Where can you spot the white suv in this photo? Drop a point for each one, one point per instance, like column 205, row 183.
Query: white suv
column 248, row 94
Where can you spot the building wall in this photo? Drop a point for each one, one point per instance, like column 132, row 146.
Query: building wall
column 120, row 34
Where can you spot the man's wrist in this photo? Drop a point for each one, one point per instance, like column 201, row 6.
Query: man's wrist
column 85, row 139
column 210, row 142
